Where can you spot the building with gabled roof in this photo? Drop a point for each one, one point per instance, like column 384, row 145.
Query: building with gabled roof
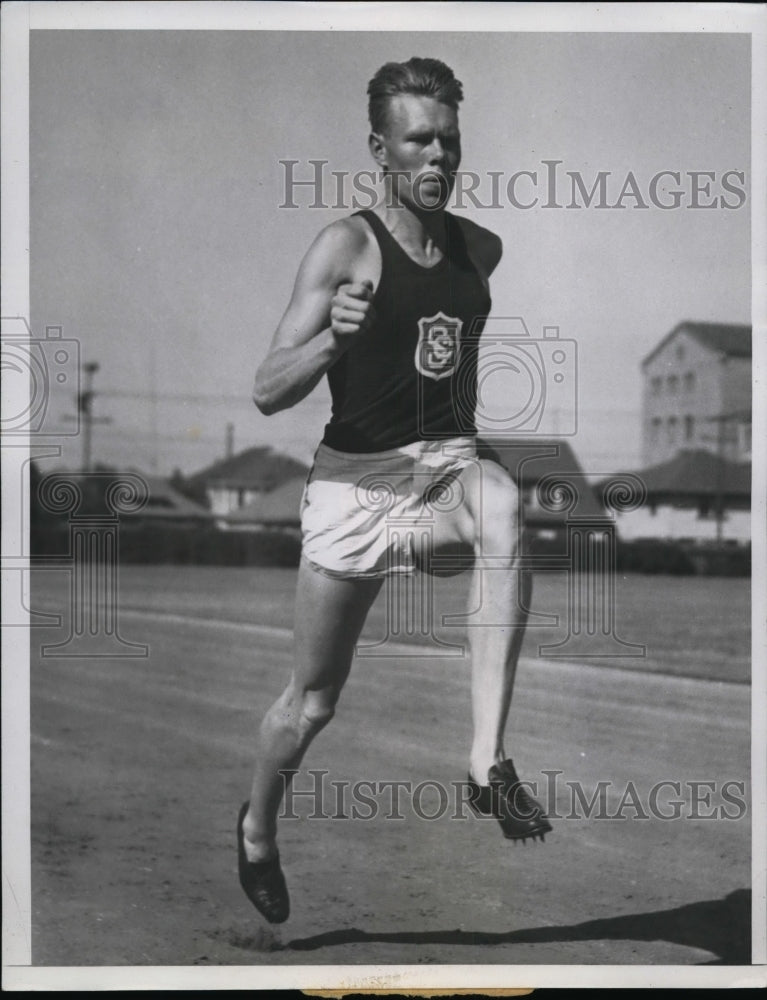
column 697, row 392
column 696, row 496
column 279, row 509
column 238, row 480
column 165, row 503
column 733, row 339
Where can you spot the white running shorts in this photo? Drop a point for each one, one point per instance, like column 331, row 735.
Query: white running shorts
column 360, row 512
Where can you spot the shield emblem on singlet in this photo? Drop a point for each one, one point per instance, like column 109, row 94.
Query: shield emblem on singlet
column 436, row 355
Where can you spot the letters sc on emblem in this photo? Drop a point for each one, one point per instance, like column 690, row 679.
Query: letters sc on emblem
column 436, row 354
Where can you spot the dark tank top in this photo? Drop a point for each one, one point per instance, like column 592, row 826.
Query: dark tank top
column 413, row 375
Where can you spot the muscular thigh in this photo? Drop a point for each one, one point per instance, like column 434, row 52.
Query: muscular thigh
column 481, row 514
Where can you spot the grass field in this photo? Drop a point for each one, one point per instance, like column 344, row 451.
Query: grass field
column 690, row 626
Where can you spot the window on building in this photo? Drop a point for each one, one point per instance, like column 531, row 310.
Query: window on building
column 655, row 430
column 671, row 430
column 689, row 382
column 655, row 385
column 680, row 351
column 689, row 428
column 673, row 382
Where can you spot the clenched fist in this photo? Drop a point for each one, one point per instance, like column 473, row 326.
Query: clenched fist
column 351, row 309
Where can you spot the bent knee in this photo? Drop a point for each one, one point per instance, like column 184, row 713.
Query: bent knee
column 317, row 708
column 302, row 711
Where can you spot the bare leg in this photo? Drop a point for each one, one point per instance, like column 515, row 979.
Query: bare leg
column 488, row 521
column 494, row 653
column 502, row 593
column 329, row 616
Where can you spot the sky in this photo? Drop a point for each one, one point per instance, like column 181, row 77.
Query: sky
column 159, row 244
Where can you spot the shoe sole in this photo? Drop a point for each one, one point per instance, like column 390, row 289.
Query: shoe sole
column 539, row 831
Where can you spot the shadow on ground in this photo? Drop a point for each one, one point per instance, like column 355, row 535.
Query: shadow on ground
column 721, row 926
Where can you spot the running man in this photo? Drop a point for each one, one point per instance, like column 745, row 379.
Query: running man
column 379, row 304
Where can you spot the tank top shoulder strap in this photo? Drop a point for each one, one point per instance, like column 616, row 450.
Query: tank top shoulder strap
column 374, row 222
column 379, row 228
column 393, row 251
column 457, row 247
column 384, row 238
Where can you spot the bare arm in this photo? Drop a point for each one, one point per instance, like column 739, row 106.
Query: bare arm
column 325, row 313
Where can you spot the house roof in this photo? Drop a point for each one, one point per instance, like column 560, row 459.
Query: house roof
column 258, row 468
column 164, row 501
column 732, row 339
column 281, row 506
column 531, row 461
column 696, row 473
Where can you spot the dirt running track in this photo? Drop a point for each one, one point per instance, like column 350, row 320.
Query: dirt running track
column 139, row 766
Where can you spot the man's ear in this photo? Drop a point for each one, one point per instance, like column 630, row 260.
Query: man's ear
column 377, row 146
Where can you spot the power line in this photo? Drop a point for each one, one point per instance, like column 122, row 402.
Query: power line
column 237, row 400
column 180, row 397
column 137, row 435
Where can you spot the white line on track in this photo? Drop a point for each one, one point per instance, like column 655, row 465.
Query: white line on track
column 281, row 633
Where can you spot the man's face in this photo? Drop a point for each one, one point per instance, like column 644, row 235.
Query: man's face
column 421, row 148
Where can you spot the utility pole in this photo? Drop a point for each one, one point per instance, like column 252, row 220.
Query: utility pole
column 85, row 406
column 229, row 440
column 154, row 459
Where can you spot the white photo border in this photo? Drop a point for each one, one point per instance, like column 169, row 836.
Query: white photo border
column 18, row 19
